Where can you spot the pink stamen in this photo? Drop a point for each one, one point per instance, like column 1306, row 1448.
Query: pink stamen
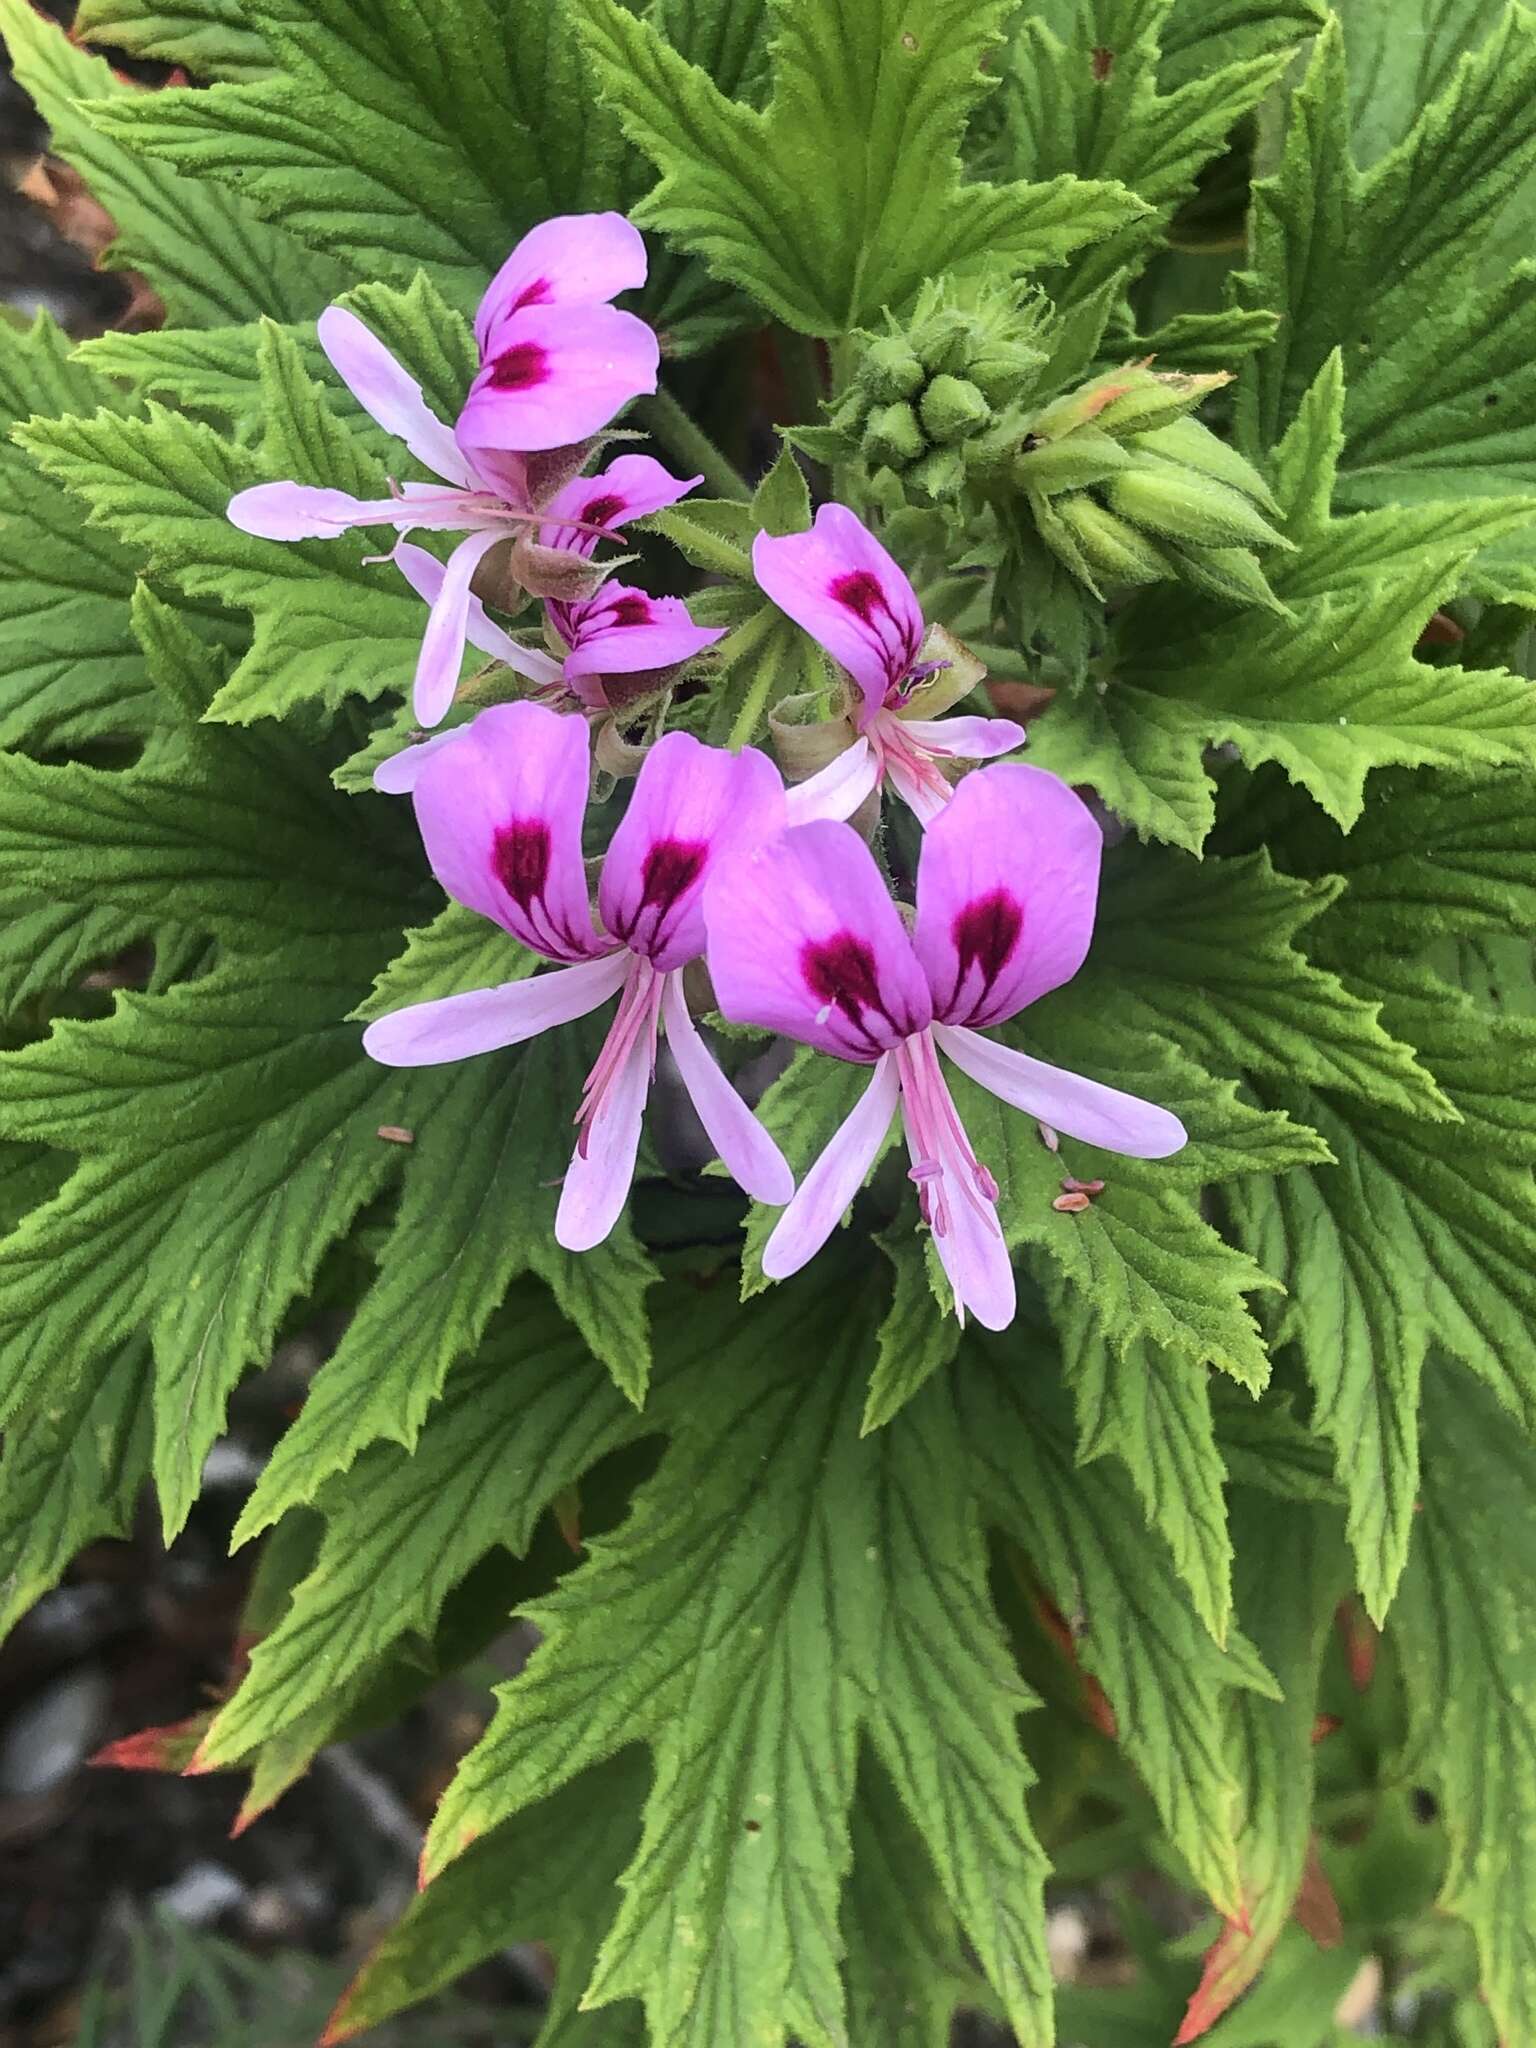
column 933, row 1123
column 639, row 1012
column 891, row 744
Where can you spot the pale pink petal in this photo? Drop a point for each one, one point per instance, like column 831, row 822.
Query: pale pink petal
column 822, row 1198
column 289, row 511
column 752, row 1158
column 489, row 1019
column 1088, row 1110
column 399, row 774
column 559, row 373
column 839, row 583
column 1007, row 883
column 426, row 574
column 597, row 1181
column 501, row 813
column 959, row 1196
column 574, row 258
column 691, row 805
column 442, row 645
column 964, row 738
column 804, row 939
column 837, row 790
column 628, row 489
column 921, row 787
column 623, row 632
column 387, row 391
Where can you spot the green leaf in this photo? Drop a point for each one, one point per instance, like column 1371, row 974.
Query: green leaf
column 919, row 1335
column 523, row 1421
column 205, row 251
column 212, row 38
column 1402, row 59
column 782, row 501
column 70, row 1472
column 1288, row 1615
column 780, row 1584
column 1199, row 32
column 1409, row 1239
column 842, row 195
column 1469, row 1665
column 1090, row 103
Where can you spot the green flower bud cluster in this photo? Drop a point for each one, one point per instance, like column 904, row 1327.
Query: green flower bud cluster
column 1124, row 487
column 937, row 399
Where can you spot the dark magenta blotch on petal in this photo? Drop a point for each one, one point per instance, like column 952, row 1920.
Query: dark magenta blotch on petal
column 601, row 510
column 520, row 368
column 634, row 609
column 671, row 866
column 520, row 857
column 536, row 293
column 986, row 935
column 859, row 592
column 841, row 973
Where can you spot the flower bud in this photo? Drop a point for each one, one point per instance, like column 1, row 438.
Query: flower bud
column 891, row 368
column 1112, row 546
column 1071, row 464
column 1231, row 574
column 1188, row 507
column 952, row 409
column 1004, row 371
column 1148, row 399
column 1196, row 447
column 939, row 475
column 893, row 435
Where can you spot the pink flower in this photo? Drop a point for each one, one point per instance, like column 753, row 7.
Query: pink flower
column 839, row 583
column 557, row 362
column 500, row 804
column 804, row 939
column 624, row 632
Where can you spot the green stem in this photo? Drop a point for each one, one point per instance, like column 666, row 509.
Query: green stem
column 689, row 444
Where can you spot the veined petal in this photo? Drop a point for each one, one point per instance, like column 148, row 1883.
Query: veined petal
column 1007, row 883
column 839, row 583
column 426, row 574
column 823, row 1196
column 755, row 1162
column 965, row 738
column 288, row 511
column 501, row 812
column 804, row 939
column 558, row 374
column 1098, row 1115
column 691, row 804
column 958, row 1195
column 489, row 1019
column 597, row 1181
column 442, row 645
column 627, row 489
column 837, row 790
column 622, row 631
column 388, row 392
column 575, row 258
column 915, row 778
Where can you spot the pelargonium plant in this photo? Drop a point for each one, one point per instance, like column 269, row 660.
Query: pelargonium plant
column 787, row 749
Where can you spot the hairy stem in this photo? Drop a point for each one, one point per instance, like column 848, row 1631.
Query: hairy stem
column 689, row 444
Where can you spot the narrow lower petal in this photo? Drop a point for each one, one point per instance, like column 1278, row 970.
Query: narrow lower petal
column 1088, row 1110
column 837, row 790
column 597, row 1182
column 750, row 1155
column 489, row 1019
column 1007, row 885
column 965, row 739
column 399, row 774
column 442, row 645
column 288, row 511
column 574, row 258
column 387, row 391
column 691, row 805
column 823, row 1196
column 558, row 374
column 426, row 574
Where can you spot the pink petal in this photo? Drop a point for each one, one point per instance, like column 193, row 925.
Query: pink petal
column 823, row 1196
column 501, row 813
column 1106, row 1117
column 489, row 1019
column 426, row 574
column 559, row 373
column 921, row 787
column 387, row 391
column 755, row 1162
column 839, row 583
column 574, row 258
column 442, row 645
column 1007, row 882
column 597, row 1181
column 804, row 939
column 837, row 790
column 691, row 804
column 623, row 631
column 288, row 511
column 964, row 738
column 627, row 489
column 399, row 774
column 959, row 1197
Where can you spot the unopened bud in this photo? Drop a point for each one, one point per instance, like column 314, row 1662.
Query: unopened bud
column 946, row 341
column 1086, row 457
column 891, row 369
column 1116, row 550
column 559, row 573
column 1231, row 574
column 1005, row 371
column 1151, row 400
column 894, row 436
column 953, row 409
column 939, row 475
column 1188, row 507
column 1195, row 446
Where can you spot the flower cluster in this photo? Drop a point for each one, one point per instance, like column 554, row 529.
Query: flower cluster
column 713, row 859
